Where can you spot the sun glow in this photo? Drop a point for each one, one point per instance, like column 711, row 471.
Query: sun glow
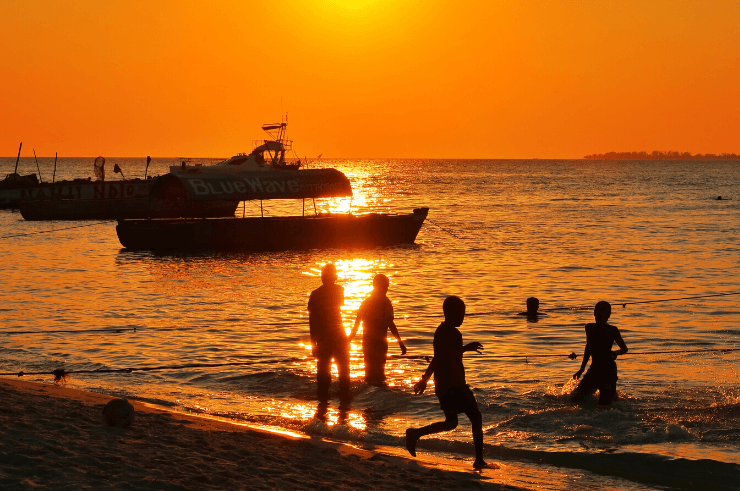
column 351, row 5
column 371, row 78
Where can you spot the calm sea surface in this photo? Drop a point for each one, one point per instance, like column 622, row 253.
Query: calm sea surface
column 568, row 232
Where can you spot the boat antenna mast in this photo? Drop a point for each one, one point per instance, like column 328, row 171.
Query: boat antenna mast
column 278, row 140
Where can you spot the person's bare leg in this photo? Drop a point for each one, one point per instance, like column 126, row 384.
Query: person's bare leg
column 342, row 360
column 323, row 377
column 413, row 434
column 476, row 421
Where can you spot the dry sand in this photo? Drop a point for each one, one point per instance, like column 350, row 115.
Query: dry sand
column 54, row 437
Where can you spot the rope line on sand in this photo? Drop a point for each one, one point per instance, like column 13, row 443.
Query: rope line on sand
column 61, row 373
column 57, row 229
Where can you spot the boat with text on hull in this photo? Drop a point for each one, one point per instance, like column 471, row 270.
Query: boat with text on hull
column 97, row 200
column 85, row 199
column 13, row 187
column 266, row 233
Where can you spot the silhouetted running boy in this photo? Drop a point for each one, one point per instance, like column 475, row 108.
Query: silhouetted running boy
column 602, row 374
column 454, row 395
column 328, row 339
column 376, row 315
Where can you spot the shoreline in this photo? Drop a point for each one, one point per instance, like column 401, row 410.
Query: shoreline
column 54, row 436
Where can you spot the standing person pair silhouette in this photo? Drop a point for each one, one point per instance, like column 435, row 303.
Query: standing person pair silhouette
column 330, row 342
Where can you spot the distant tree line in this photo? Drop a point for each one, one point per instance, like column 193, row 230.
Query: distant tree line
column 656, row 155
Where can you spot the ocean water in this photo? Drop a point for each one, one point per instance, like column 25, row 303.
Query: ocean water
column 568, row 232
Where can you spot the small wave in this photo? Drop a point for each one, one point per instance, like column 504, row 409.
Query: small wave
column 645, row 468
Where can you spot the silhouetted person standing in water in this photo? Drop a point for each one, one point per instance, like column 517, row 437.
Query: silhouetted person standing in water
column 602, row 374
column 328, row 339
column 454, row 395
column 376, row 316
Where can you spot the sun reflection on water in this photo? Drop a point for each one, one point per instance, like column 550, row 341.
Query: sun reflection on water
column 298, row 412
column 331, row 416
column 367, row 195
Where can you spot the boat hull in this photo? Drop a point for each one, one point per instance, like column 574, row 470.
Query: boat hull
column 273, row 233
column 13, row 187
column 109, row 200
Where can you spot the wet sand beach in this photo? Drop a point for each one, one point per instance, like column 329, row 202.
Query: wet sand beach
column 53, row 437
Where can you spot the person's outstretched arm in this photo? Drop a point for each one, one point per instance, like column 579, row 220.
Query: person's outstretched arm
column 422, row 384
column 586, row 356
column 394, row 331
column 474, row 346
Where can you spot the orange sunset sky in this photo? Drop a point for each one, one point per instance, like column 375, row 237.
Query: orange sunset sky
column 370, row 78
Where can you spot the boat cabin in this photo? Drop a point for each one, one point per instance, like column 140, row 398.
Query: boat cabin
column 266, row 155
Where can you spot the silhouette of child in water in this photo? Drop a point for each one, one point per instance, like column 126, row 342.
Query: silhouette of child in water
column 602, row 374
column 454, row 395
column 376, row 315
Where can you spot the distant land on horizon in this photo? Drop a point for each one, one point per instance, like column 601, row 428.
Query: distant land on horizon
column 656, row 155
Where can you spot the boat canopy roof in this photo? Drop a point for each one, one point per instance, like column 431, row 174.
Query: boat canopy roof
column 245, row 186
column 274, row 126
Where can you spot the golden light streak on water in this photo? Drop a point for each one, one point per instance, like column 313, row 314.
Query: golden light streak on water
column 357, row 421
column 300, row 412
column 334, row 205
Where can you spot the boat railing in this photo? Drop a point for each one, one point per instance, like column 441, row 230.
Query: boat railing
column 287, row 144
column 196, row 161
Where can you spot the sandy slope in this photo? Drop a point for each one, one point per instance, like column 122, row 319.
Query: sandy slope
column 54, row 437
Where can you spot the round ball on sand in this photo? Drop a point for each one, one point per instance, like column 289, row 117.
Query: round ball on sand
column 119, row 412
